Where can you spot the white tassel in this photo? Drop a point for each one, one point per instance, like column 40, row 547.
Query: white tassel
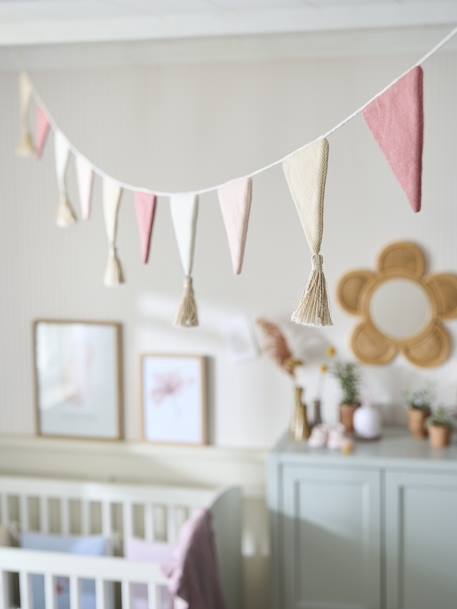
column 26, row 147
column 65, row 214
column 114, row 275
column 187, row 316
column 313, row 309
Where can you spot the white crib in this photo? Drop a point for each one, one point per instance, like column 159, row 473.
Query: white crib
column 112, row 510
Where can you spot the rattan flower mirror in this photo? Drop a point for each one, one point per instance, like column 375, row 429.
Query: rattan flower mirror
column 402, row 308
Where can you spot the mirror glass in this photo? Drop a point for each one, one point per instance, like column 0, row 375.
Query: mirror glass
column 400, row 308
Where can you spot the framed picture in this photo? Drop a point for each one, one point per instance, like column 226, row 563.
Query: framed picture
column 174, row 402
column 78, row 379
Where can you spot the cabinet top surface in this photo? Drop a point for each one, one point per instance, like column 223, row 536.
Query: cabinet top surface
column 395, row 448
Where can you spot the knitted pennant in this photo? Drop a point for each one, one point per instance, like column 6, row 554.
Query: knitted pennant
column 184, row 213
column 26, row 147
column 306, row 173
column 112, row 193
column 85, row 176
column 145, row 206
column 42, row 129
column 235, row 202
column 65, row 214
column 396, row 119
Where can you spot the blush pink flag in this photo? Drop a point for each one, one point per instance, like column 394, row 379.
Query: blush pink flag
column 42, row 130
column 396, row 120
column 235, row 201
column 145, row 206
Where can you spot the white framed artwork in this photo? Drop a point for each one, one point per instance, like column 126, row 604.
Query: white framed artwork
column 78, row 379
column 174, row 399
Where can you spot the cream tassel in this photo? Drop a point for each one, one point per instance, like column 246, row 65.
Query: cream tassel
column 26, row 147
column 114, row 275
column 187, row 316
column 65, row 214
column 313, row 309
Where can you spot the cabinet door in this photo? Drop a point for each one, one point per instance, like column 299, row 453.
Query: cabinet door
column 421, row 540
column 330, row 525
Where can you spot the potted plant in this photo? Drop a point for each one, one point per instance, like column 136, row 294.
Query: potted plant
column 441, row 427
column 419, row 409
column 349, row 377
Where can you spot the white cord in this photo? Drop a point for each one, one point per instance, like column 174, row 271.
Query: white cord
column 346, row 120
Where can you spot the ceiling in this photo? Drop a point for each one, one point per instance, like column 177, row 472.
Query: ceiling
column 24, row 22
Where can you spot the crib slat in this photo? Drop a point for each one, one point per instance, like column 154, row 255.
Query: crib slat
column 85, row 517
column 100, row 594
column 148, row 522
column 127, row 519
column 49, row 592
column 65, row 516
column 4, row 590
column 4, row 508
column 107, row 525
column 152, row 596
column 125, row 592
column 24, row 520
column 44, row 515
column 25, row 590
column 171, row 524
column 74, row 593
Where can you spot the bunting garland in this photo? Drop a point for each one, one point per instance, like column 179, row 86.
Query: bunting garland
column 394, row 116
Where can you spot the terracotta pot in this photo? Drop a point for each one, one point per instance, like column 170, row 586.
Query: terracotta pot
column 417, row 420
column 440, row 436
column 347, row 416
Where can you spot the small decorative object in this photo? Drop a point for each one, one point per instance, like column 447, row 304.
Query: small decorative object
column 420, row 408
column 318, row 437
column 347, row 446
column 402, row 308
column 336, row 437
column 441, row 428
column 300, row 429
column 367, row 422
column 174, row 402
column 348, row 375
column 78, row 379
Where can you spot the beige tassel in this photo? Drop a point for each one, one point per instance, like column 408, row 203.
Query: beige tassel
column 65, row 214
column 313, row 309
column 114, row 275
column 187, row 316
column 26, row 147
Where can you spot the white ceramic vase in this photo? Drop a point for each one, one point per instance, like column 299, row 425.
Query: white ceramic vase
column 367, row 422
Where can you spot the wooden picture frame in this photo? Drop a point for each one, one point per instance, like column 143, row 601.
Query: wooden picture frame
column 183, row 373
column 95, row 415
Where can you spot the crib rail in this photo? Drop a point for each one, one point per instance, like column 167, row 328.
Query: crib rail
column 23, row 564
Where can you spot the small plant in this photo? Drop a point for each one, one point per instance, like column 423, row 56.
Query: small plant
column 421, row 399
column 441, row 418
column 349, row 376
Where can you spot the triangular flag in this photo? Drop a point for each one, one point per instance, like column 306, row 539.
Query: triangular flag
column 26, row 147
column 396, row 119
column 145, row 206
column 65, row 214
column 85, row 176
column 42, row 129
column 184, row 213
column 112, row 193
column 306, row 173
column 235, row 202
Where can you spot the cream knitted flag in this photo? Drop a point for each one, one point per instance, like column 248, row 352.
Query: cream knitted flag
column 306, row 173
column 112, row 193
column 65, row 214
column 184, row 213
column 85, row 177
column 235, row 202
column 26, row 147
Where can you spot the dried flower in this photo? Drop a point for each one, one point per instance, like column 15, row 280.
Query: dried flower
column 331, row 352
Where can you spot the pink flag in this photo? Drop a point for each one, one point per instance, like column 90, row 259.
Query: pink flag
column 42, row 130
column 396, row 120
column 235, row 202
column 145, row 205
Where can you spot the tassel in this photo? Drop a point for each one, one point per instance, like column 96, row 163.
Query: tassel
column 313, row 309
column 114, row 275
column 187, row 316
column 65, row 214
column 26, row 147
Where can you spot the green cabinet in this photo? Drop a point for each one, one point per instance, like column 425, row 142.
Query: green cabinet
column 376, row 530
